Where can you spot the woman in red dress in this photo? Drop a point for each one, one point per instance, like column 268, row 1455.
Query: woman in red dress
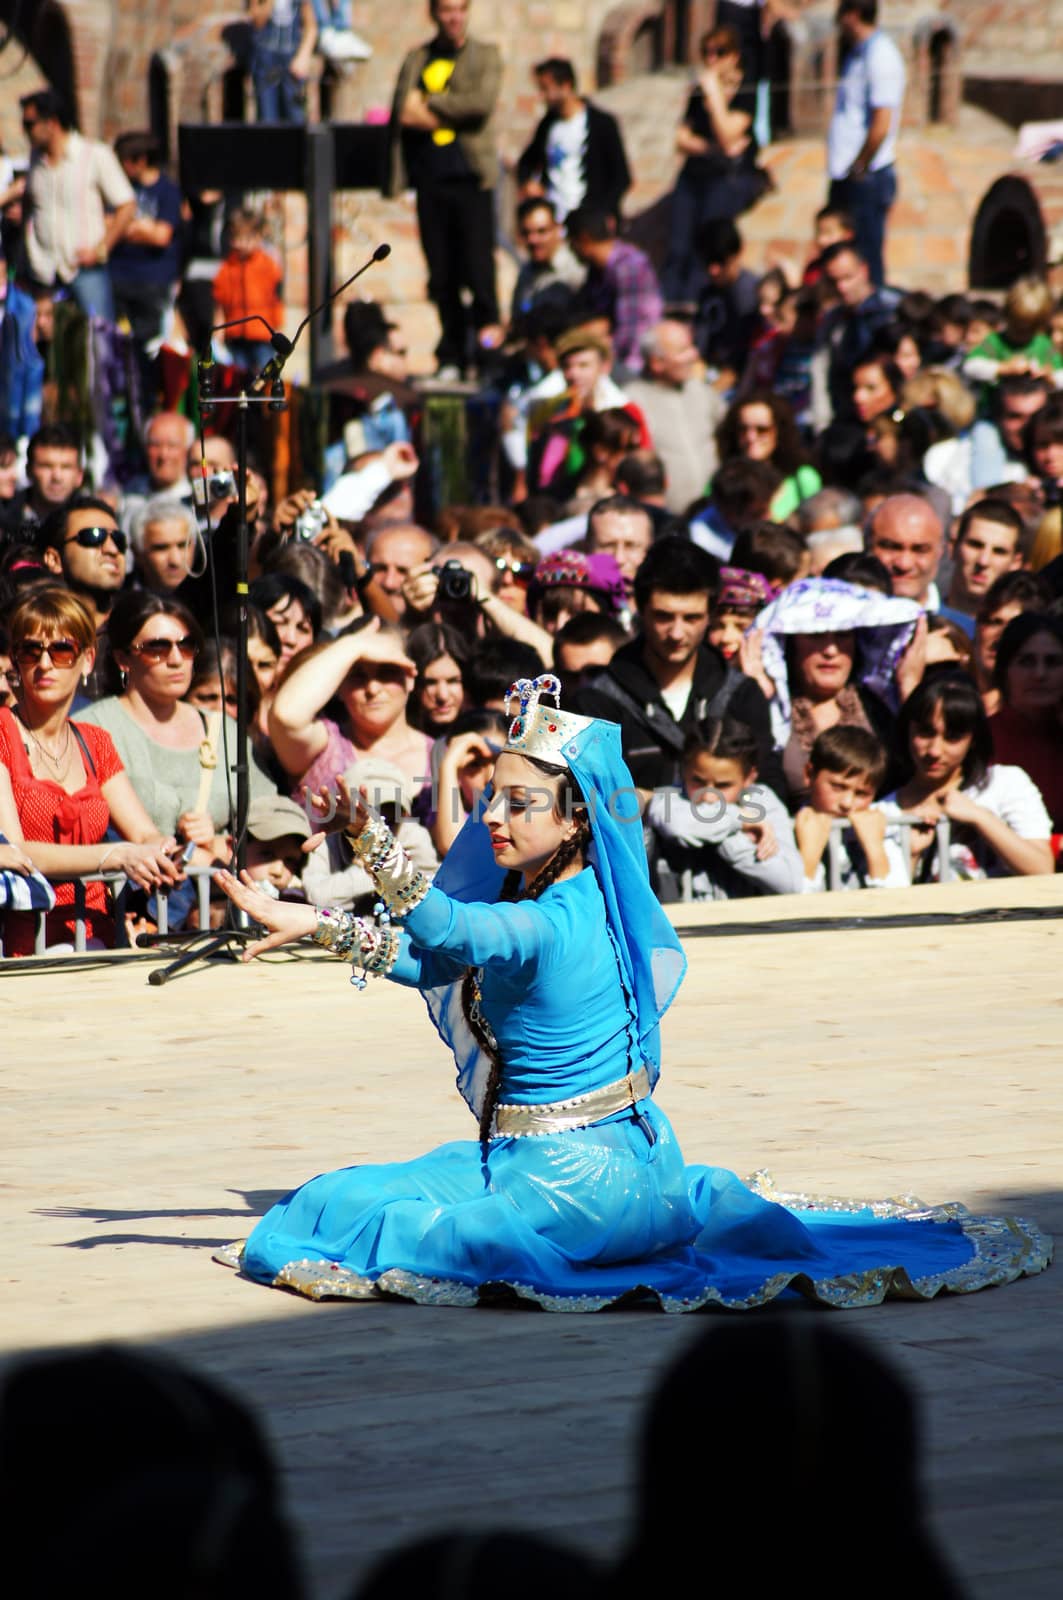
column 67, row 780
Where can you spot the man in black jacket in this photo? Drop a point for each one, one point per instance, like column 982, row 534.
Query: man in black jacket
column 576, row 155
column 668, row 680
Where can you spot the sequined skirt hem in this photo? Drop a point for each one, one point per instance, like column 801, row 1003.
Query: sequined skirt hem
column 1003, row 1250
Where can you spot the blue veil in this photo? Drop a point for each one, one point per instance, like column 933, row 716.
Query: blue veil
column 650, row 955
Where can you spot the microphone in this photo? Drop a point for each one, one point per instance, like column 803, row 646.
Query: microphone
column 205, row 373
column 269, row 377
column 276, row 364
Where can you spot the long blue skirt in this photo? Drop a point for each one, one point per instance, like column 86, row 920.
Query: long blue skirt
column 611, row 1214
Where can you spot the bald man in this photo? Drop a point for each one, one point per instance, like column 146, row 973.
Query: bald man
column 393, row 553
column 681, row 409
column 906, row 534
column 168, row 438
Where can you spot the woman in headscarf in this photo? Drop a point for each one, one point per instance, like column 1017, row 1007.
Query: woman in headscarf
column 547, row 964
column 825, row 652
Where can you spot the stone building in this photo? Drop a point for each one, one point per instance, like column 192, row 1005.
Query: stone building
column 123, row 63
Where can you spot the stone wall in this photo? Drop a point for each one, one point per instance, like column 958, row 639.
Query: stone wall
column 131, row 63
column 1024, row 37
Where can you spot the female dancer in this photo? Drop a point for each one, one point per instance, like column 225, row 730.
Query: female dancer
column 547, row 972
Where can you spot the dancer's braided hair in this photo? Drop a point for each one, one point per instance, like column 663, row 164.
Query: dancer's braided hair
column 568, row 851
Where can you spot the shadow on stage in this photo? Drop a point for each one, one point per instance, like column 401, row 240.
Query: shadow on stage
column 256, row 1203
column 391, row 1419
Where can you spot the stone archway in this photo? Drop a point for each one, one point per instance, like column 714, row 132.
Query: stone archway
column 71, row 42
column 1017, row 228
column 935, row 70
column 640, row 36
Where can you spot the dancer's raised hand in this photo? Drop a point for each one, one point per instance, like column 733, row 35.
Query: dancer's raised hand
column 336, row 811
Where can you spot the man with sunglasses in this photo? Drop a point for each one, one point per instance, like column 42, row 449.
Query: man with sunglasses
column 82, row 544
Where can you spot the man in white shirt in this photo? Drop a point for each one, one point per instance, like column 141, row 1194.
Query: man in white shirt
column 79, row 203
column 862, row 137
column 576, row 156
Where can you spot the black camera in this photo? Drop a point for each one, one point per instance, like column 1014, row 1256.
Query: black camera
column 455, row 581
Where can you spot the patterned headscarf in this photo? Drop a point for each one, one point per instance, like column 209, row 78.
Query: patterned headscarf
column 883, row 626
column 598, row 573
column 744, row 591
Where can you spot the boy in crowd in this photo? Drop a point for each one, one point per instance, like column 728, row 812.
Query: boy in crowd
column 248, row 284
column 741, row 595
column 277, row 829
column 833, row 225
column 724, row 836
column 846, row 765
column 584, row 646
column 777, row 552
column 330, row 877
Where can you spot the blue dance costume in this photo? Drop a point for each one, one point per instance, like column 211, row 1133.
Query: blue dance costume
column 581, row 1198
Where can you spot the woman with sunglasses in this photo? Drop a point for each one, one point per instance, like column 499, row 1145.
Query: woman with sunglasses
column 67, row 777
column 515, row 559
column 761, row 427
column 167, row 746
column 368, row 672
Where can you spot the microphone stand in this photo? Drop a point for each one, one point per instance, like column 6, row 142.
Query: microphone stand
column 203, row 943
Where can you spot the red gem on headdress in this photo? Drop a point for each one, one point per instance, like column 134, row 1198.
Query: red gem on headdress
column 551, row 727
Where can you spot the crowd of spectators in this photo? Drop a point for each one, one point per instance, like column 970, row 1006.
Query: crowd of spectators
column 801, row 540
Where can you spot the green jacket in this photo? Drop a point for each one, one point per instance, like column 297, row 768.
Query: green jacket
column 467, row 105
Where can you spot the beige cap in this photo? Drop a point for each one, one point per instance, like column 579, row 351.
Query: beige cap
column 583, row 339
column 385, row 784
column 274, row 816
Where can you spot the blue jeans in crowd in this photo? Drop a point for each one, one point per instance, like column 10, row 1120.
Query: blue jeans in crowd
column 278, row 96
column 867, row 201
column 93, row 292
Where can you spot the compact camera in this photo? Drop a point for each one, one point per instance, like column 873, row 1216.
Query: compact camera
column 309, row 523
column 455, row 581
column 221, row 485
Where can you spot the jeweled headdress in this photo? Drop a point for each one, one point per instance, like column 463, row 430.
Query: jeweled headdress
column 540, row 731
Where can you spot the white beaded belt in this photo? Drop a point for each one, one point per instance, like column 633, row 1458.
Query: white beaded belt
column 522, row 1122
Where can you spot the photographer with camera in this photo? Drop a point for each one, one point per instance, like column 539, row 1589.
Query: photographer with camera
column 307, row 542
column 212, row 472
column 459, row 587
column 369, row 673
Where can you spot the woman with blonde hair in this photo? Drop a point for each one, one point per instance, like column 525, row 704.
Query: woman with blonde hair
column 947, row 463
column 67, row 779
column 1025, row 343
column 938, row 389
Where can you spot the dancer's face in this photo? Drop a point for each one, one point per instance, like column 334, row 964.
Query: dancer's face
column 523, row 816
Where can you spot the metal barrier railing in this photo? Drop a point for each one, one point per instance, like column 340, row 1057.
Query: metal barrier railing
column 905, row 826
column 119, row 883
column 203, row 875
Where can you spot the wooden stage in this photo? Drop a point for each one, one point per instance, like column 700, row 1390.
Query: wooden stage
column 143, row 1127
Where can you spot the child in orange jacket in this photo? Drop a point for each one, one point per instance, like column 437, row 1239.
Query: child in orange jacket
column 248, row 283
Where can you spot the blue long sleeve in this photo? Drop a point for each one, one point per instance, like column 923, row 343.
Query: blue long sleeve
column 424, row 969
column 509, row 937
